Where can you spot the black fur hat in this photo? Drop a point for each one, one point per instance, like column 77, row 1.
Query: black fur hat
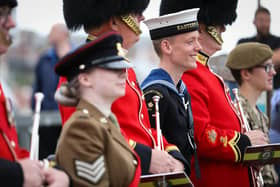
column 10, row 3
column 93, row 13
column 212, row 12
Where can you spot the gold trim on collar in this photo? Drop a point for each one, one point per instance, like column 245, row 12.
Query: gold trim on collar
column 202, row 58
column 131, row 22
column 215, row 34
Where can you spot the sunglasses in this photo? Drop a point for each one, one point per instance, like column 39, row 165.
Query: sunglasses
column 267, row 67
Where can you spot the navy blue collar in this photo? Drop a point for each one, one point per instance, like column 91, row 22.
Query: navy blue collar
column 160, row 76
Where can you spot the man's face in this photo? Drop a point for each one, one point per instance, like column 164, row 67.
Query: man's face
column 184, row 49
column 6, row 23
column 262, row 23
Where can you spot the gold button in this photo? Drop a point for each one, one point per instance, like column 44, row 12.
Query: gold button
column 85, row 111
column 135, row 162
column 150, row 105
column 150, row 130
column 103, row 120
column 82, row 66
column 133, row 84
column 13, row 143
column 142, row 116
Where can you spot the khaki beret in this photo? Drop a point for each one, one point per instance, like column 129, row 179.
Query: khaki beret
column 248, row 55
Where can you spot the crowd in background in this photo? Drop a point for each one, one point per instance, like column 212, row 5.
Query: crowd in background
column 42, row 78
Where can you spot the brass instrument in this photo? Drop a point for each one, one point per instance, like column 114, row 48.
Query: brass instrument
column 257, row 176
column 159, row 146
column 34, row 147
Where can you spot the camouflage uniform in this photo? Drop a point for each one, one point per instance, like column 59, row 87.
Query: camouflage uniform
column 259, row 121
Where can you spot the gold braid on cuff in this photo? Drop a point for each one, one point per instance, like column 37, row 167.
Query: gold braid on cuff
column 131, row 23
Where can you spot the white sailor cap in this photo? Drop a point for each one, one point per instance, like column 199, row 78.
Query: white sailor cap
column 172, row 24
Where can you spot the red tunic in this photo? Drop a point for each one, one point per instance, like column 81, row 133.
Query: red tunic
column 136, row 180
column 216, row 130
column 132, row 114
column 10, row 148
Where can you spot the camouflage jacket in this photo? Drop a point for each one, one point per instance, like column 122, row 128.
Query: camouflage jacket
column 259, row 121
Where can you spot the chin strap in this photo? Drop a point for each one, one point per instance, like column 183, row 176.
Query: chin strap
column 131, row 23
column 215, row 34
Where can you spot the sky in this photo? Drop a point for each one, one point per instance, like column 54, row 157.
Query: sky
column 39, row 15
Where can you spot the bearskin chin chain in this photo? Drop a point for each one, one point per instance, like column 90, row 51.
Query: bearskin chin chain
column 131, row 23
column 215, row 34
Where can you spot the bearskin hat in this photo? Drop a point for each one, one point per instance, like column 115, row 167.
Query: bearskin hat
column 10, row 3
column 212, row 12
column 93, row 13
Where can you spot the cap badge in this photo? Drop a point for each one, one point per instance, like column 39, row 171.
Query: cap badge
column 121, row 51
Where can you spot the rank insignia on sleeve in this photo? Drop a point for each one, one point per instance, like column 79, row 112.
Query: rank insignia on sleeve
column 91, row 172
column 212, row 136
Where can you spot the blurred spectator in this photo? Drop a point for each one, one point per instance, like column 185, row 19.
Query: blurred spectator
column 46, row 82
column 45, row 78
column 262, row 22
